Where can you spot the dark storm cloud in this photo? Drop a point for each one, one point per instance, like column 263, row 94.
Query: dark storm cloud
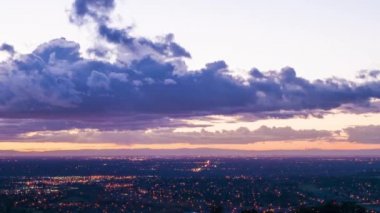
column 54, row 81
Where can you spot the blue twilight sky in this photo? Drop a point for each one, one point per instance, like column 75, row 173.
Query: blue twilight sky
column 317, row 38
column 169, row 74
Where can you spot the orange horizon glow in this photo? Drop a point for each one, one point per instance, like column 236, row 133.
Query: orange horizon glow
column 260, row 146
column 93, row 139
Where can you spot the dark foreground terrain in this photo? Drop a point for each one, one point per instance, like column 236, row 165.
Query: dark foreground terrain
column 190, row 185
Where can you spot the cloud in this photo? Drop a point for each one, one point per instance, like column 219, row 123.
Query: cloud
column 7, row 48
column 369, row 74
column 165, row 136
column 12, row 128
column 55, row 82
column 364, row 134
column 165, row 47
column 149, row 84
column 97, row 10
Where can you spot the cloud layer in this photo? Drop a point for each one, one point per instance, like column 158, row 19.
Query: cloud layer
column 148, row 84
column 364, row 134
column 167, row 136
column 55, row 81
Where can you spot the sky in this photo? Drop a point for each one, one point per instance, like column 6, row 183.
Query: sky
column 164, row 74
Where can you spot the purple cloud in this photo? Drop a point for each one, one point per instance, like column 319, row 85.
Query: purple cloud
column 54, row 81
column 97, row 10
column 7, row 48
column 364, row 134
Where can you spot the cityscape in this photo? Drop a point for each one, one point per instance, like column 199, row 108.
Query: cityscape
column 189, row 184
column 190, row 106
